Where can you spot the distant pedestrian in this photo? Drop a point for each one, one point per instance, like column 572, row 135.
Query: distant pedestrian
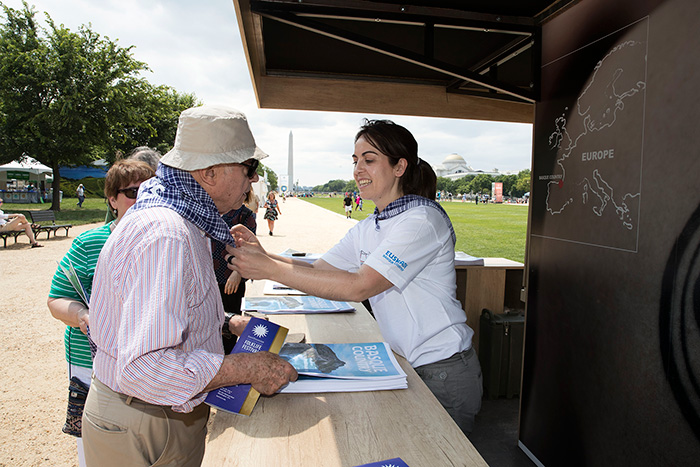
column 347, row 202
column 272, row 210
column 252, row 202
column 80, row 191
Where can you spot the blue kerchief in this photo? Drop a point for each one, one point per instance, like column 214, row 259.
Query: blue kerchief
column 407, row 202
column 177, row 190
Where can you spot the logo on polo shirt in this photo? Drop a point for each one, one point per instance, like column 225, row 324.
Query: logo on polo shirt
column 393, row 259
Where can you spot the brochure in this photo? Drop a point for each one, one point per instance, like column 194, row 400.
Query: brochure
column 275, row 288
column 257, row 336
column 367, row 366
column 395, row 462
column 74, row 280
column 300, row 255
column 301, row 304
column 463, row 259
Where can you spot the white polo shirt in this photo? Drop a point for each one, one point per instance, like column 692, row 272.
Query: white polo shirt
column 420, row 316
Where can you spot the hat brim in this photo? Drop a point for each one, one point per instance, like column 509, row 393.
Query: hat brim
column 190, row 161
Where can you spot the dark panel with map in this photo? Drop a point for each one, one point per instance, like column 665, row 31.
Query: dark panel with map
column 612, row 353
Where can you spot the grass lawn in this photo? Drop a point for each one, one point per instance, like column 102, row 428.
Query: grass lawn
column 93, row 210
column 484, row 230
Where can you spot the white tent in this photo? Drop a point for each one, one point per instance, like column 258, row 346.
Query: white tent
column 27, row 165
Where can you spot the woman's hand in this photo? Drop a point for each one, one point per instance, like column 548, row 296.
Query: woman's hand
column 250, row 260
column 84, row 320
column 70, row 311
column 232, row 283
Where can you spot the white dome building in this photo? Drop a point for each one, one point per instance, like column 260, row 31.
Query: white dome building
column 454, row 166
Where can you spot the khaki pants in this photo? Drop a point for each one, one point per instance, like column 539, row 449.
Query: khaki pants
column 120, row 431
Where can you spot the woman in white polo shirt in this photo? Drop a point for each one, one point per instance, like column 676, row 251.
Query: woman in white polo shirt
column 401, row 258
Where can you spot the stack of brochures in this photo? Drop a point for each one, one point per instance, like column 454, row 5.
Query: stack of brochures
column 286, row 305
column 367, row 366
column 463, row 259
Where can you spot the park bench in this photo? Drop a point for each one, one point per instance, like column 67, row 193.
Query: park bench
column 46, row 216
column 10, row 233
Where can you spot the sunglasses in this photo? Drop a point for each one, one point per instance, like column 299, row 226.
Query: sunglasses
column 252, row 167
column 129, row 192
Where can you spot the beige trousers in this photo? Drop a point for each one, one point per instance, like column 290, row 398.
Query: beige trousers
column 119, row 431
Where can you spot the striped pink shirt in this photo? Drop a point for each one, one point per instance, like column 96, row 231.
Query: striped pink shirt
column 155, row 311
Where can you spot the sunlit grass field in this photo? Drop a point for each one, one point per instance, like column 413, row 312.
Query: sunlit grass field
column 93, row 210
column 483, row 230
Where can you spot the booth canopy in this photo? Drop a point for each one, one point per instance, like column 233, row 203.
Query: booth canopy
column 475, row 59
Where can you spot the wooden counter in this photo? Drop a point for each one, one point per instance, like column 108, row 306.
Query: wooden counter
column 494, row 285
column 340, row 429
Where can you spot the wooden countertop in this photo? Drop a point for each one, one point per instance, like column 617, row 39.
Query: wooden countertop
column 340, row 429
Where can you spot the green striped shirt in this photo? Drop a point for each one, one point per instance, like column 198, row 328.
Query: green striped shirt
column 83, row 254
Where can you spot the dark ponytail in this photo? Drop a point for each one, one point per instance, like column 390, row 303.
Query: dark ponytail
column 397, row 143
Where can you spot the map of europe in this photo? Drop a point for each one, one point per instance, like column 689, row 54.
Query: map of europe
column 594, row 151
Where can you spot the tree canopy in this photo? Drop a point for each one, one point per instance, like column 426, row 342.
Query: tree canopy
column 69, row 98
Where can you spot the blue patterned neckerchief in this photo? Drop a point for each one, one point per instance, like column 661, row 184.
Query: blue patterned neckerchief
column 177, row 190
column 407, row 202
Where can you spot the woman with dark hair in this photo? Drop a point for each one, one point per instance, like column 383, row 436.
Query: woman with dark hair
column 401, row 258
column 121, row 187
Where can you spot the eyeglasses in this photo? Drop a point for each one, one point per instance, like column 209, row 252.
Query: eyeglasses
column 252, row 167
column 129, row 192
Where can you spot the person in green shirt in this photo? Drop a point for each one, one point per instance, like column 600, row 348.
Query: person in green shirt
column 121, row 187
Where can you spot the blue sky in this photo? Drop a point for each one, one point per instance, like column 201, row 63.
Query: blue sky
column 195, row 47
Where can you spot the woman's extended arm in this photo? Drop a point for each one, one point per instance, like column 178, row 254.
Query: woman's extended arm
column 319, row 279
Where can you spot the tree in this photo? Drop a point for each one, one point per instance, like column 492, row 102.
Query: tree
column 350, row 186
column 522, row 186
column 63, row 95
column 442, row 183
column 270, row 175
column 159, row 108
column 482, row 184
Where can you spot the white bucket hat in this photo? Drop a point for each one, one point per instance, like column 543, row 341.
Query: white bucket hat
column 211, row 135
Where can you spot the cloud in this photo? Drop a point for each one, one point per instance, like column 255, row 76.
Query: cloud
column 195, row 47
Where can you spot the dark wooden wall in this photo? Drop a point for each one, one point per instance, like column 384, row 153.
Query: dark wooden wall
column 612, row 354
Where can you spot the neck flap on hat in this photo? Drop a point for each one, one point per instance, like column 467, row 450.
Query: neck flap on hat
column 407, row 202
column 177, row 190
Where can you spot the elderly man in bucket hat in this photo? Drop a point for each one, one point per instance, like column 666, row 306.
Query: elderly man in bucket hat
column 156, row 314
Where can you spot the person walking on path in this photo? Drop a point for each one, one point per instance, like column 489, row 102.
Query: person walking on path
column 252, row 202
column 156, row 314
column 18, row 222
column 272, row 211
column 347, row 202
column 401, row 258
column 80, row 191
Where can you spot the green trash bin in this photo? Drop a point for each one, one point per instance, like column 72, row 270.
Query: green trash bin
column 501, row 338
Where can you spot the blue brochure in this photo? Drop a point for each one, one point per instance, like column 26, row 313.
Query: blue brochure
column 259, row 335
